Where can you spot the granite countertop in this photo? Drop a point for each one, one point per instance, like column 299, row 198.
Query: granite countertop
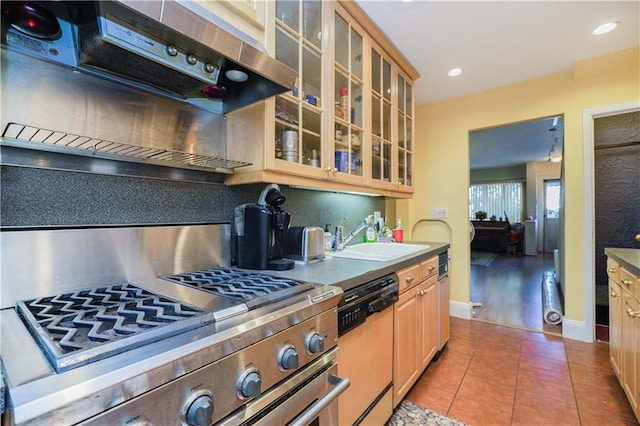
column 349, row 273
column 627, row 257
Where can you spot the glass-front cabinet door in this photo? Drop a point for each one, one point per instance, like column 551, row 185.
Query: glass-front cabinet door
column 298, row 113
column 348, row 101
column 381, row 142
column 405, row 134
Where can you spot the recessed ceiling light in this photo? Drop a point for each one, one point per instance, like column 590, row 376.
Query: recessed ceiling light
column 605, row 28
column 454, row 72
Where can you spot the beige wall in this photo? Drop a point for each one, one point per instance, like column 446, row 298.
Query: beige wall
column 442, row 154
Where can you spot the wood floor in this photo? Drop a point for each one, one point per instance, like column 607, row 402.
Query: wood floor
column 510, row 291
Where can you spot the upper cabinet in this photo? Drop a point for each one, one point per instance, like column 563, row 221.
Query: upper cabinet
column 246, row 15
column 348, row 123
column 348, row 100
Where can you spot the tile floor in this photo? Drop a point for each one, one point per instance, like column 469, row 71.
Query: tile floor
column 494, row 375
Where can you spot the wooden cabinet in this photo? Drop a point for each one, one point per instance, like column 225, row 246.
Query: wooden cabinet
column 615, row 317
column 415, row 339
column 245, row 15
column 624, row 331
column 630, row 328
column 348, row 123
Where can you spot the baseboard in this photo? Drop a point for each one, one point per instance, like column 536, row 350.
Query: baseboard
column 460, row 309
column 576, row 330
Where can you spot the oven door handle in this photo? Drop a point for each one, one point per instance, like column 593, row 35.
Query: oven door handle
column 339, row 385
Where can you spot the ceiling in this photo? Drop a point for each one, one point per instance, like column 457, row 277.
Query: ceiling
column 498, row 43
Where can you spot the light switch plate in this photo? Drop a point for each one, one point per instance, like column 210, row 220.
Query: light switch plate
column 440, row 213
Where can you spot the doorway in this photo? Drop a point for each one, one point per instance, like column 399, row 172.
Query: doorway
column 616, row 196
column 551, row 214
column 514, row 162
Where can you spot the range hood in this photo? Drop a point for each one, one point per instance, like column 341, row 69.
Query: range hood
column 177, row 49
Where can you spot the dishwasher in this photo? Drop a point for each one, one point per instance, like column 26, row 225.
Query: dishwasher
column 365, row 339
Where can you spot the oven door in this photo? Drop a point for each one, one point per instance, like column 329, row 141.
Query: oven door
column 306, row 398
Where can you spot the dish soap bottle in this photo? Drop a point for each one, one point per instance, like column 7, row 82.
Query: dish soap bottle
column 370, row 234
column 328, row 238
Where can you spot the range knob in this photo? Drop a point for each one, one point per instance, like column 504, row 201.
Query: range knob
column 209, row 68
column 191, row 59
column 315, row 343
column 289, row 359
column 200, row 411
column 172, row 51
column 250, row 385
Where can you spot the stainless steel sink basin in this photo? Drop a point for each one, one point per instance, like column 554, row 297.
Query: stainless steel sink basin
column 379, row 252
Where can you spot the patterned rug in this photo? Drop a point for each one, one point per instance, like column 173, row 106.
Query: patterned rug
column 409, row 414
column 482, row 258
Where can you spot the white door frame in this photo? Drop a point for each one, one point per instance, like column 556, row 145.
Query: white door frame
column 588, row 118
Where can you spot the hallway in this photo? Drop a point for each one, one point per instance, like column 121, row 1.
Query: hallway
column 493, row 375
column 510, row 291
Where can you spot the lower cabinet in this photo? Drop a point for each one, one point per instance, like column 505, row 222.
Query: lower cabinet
column 624, row 331
column 615, row 318
column 415, row 337
column 631, row 350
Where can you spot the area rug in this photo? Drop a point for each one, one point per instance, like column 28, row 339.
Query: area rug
column 410, row 414
column 482, row 258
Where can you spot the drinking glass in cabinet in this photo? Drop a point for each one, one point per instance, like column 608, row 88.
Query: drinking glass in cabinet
column 288, row 13
column 312, row 22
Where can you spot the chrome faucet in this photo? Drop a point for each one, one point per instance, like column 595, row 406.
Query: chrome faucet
column 341, row 242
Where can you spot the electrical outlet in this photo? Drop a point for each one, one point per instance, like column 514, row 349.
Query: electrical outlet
column 440, row 213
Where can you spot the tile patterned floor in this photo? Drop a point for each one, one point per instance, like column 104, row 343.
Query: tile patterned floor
column 494, row 375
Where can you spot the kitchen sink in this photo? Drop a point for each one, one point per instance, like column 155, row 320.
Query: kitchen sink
column 379, row 252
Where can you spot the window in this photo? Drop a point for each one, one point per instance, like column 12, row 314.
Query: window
column 496, row 199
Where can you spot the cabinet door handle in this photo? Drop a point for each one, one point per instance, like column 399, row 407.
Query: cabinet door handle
column 614, row 294
column 409, row 279
column 611, row 270
column 633, row 314
column 626, row 282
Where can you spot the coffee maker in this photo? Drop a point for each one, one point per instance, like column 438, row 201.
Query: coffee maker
column 259, row 231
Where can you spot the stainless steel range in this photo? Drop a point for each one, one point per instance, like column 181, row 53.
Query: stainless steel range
column 149, row 325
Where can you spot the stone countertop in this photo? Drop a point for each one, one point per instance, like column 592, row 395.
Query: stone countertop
column 627, row 257
column 349, row 273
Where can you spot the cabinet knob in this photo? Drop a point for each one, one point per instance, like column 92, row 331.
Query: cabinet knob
column 614, row 294
column 633, row 314
column 638, row 238
column 432, row 268
column 611, row 270
column 626, row 282
column 409, row 279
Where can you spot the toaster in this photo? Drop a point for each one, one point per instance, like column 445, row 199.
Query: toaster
column 304, row 243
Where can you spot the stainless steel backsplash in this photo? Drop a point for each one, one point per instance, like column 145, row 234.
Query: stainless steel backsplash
column 41, row 263
column 51, row 97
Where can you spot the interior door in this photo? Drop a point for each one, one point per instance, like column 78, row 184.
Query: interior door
column 551, row 214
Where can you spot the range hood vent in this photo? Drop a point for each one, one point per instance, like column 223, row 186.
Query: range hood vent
column 20, row 135
column 174, row 48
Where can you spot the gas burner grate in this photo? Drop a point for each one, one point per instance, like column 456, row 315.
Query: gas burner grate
column 84, row 326
column 253, row 289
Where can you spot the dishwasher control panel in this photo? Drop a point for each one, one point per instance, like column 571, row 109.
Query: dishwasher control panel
column 366, row 299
